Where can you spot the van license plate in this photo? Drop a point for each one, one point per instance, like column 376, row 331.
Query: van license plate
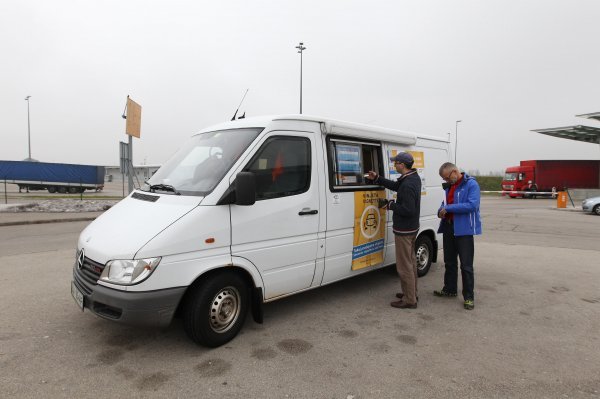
column 77, row 295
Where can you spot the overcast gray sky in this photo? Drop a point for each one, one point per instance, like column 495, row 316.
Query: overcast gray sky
column 502, row 67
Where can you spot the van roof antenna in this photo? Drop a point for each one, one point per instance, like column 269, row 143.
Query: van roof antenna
column 238, row 108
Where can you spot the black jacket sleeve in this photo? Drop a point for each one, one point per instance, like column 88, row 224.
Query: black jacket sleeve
column 389, row 184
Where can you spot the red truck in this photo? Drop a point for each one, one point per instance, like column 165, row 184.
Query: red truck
column 548, row 176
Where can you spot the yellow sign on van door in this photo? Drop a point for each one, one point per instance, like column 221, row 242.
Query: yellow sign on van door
column 419, row 159
column 419, row 165
column 369, row 229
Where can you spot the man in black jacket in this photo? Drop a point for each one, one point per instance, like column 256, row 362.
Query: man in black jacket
column 407, row 209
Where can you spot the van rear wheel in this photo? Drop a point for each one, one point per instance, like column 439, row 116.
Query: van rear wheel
column 424, row 254
column 215, row 310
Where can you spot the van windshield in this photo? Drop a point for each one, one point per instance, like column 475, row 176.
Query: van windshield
column 201, row 163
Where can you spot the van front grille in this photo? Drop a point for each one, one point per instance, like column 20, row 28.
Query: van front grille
column 90, row 271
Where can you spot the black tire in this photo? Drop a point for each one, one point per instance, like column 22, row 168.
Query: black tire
column 424, row 254
column 51, row 189
column 596, row 210
column 215, row 311
column 62, row 190
column 73, row 190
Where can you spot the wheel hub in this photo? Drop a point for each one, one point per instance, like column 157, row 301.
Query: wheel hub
column 225, row 309
column 422, row 257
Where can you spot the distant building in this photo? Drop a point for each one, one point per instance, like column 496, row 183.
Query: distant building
column 142, row 173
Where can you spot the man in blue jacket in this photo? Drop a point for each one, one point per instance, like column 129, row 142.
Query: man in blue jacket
column 460, row 221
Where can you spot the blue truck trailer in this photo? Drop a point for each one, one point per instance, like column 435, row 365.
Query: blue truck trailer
column 54, row 177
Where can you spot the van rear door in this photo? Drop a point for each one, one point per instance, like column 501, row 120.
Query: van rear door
column 278, row 234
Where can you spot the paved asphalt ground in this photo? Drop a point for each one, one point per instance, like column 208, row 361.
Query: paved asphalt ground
column 534, row 333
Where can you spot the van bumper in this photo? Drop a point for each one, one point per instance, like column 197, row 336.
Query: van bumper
column 147, row 308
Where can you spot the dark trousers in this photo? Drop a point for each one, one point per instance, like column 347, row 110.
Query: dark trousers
column 462, row 247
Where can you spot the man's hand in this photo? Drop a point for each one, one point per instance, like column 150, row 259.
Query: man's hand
column 372, row 175
column 382, row 203
column 442, row 213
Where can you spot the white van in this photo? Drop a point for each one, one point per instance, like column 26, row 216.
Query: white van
column 248, row 212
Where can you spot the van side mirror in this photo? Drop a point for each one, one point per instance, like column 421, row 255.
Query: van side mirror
column 245, row 188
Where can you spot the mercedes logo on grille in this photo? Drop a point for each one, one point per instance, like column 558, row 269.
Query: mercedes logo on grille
column 80, row 259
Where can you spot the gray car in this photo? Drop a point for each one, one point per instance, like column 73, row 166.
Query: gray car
column 591, row 205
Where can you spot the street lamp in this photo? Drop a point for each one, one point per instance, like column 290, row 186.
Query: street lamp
column 301, row 48
column 28, row 127
column 456, row 141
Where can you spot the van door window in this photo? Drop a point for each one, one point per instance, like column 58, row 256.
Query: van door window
column 282, row 167
column 349, row 161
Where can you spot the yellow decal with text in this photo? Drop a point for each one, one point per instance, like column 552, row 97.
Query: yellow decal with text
column 369, row 229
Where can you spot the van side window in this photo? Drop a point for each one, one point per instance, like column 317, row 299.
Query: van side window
column 349, row 160
column 281, row 167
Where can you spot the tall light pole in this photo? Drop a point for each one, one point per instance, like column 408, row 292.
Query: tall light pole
column 456, row 141
column 28, row 128
column 301, row 48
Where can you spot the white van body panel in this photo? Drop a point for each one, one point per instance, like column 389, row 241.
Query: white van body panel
column 436, row 152
column 273, row 236
column 123, row 229
column 182, row 270
column 340, row 227
column 189, row 234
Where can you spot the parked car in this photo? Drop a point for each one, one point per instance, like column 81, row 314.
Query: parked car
column 591, row 205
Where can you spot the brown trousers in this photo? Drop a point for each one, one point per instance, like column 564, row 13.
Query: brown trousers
column 406, row 266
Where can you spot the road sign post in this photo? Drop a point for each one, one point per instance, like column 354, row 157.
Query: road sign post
column 133, row 129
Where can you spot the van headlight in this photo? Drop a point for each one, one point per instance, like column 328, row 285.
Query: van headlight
column 129, row 272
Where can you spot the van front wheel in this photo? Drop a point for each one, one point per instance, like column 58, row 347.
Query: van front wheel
column 424, row 254
column 215, row 311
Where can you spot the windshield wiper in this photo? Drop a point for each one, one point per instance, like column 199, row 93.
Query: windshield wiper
column 164, row 187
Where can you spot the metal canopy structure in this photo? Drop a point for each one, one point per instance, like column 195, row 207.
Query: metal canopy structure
column 586, row 134
column 593, row 115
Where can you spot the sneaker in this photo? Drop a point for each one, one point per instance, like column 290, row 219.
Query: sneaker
column 400, row 295
column 469, row 304
column 442, row 292
column 403, row 305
